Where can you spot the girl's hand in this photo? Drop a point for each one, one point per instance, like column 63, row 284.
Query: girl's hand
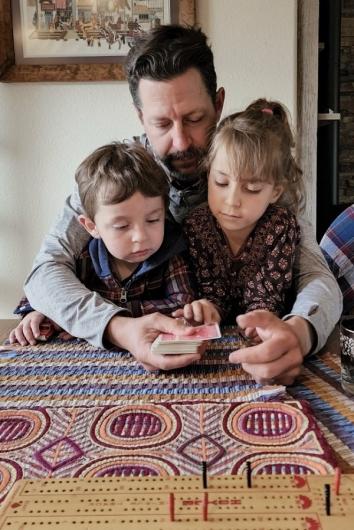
column 27, row 330
column 200, row 311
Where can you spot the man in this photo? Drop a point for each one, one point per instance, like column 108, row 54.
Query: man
column 173, row 84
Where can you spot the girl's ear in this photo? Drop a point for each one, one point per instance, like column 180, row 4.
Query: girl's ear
column 89, row 225
column 277, row 193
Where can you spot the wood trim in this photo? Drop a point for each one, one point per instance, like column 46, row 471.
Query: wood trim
column 11, row 72
column 307, row 96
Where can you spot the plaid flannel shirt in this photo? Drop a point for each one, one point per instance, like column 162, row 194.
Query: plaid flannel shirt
column 337, row 246
column 162, row 283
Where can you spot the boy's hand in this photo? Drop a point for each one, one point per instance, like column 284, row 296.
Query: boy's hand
column 27, row 330
column 137, row 334
column 200, row 311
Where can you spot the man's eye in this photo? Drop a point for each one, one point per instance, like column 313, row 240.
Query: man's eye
column 195, row 120
column 162, row 125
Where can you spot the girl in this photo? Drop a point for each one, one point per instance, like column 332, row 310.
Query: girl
column 242, row 243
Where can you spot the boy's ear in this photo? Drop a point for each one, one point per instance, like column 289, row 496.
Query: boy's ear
column 89, row 225
column 277, row 193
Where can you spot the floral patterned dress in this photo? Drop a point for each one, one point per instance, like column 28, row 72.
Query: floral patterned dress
column 259, row 276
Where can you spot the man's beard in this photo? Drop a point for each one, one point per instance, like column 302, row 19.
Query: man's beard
column 193, row 153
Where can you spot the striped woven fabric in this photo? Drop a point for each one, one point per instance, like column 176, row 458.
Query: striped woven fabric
column 319, row 385
column 73, row 373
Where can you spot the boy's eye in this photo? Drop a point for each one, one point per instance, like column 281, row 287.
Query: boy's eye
column 120, row 227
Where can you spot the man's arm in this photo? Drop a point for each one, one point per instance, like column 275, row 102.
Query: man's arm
column 53, row 287
column 319, row 298
column 279, row 356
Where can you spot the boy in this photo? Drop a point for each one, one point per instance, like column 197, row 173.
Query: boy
column 135, row 255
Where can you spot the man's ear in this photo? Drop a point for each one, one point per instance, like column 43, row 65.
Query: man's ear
column 219, row 102
column 140, row 115
column 277, row 193
column 89, row 225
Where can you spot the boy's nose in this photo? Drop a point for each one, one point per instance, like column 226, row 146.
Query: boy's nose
column 139, row 234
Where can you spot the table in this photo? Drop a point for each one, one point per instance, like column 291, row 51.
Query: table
column 101, row 377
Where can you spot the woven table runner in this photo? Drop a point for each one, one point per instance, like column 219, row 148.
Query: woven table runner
column 73, row 373
column 161, row 439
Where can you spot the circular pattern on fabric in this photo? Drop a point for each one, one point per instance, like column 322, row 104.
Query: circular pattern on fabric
column 128, row 466
column 265, row 423
column 136, row 426
column 20, row 428
column 281, row 463
column 10, row 471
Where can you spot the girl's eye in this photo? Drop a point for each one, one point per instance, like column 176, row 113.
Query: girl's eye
column 221, row 184
column 154, row 220
column 253, row 190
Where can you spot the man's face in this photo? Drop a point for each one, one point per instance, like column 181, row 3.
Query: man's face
column 179, row 116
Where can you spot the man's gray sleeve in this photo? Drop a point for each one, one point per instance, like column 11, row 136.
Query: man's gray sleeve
column 53, row 287
column 319, row 299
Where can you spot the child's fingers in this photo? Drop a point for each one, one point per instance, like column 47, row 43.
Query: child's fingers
column 12, row 336
column 34, row 326
column 28, row 333
column 198, row 313
column 20, row 338
column 188, row 311
column 179, row 313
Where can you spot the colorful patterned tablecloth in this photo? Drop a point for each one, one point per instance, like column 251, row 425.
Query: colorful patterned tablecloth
column 62, row 388
column 161, row 439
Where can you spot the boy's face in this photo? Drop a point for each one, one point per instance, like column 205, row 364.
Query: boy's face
column 132, row 230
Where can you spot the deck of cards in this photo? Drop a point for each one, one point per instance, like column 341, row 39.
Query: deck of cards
column 171, row 344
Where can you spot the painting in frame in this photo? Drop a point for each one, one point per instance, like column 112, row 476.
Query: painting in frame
column 78, row 40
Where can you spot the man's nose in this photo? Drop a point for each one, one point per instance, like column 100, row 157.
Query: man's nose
column 180, row 137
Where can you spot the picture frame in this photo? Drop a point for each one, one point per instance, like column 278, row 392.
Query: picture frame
column 91, row 69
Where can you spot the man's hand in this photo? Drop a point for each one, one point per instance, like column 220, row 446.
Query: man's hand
column 199, row 312
column 137, row 334
column 279, row 356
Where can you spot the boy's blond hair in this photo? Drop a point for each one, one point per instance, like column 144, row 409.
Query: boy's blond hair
column 114, row 172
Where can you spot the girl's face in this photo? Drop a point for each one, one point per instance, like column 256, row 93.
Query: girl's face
column 237, row 203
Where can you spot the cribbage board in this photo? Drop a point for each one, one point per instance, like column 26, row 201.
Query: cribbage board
column 274, row 502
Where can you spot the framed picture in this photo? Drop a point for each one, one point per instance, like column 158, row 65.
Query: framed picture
column 78, row 40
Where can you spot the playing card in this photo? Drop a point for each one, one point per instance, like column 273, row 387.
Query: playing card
column 204, row 332
column 171, row 344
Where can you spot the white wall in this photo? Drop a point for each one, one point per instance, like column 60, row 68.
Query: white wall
column 46, row 129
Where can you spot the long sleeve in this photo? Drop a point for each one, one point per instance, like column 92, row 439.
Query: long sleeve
column 53, row 288
column 272, row 269
column 319, row 299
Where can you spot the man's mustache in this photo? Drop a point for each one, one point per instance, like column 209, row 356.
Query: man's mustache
column 188, row 154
